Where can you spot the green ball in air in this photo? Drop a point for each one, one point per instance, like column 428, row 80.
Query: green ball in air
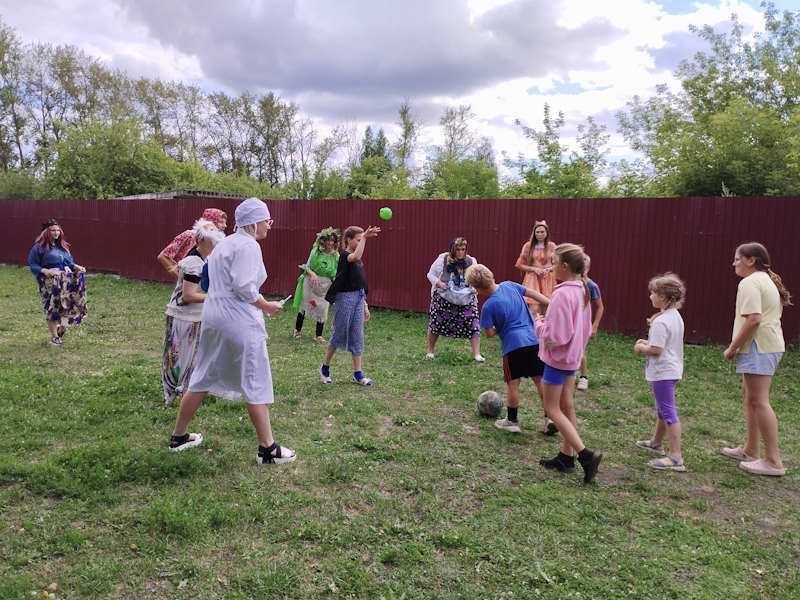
column 385, row 213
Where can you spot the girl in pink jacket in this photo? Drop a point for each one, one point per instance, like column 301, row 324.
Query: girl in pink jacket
column 563, row 335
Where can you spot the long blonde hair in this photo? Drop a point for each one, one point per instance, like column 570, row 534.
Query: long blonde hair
column 573, row 256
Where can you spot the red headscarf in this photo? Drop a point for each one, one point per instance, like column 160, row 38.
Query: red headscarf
column 216, row 216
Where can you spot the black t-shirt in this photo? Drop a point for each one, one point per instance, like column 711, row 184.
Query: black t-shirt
column 350, row 276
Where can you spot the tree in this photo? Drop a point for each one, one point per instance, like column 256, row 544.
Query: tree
column 461, row 179
column 13, row 123
column 734, row 123
column 409, row 132
column 107, row 161
column 557, row 172
column 459, row 137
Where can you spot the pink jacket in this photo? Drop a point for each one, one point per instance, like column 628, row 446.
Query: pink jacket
column 565, row 330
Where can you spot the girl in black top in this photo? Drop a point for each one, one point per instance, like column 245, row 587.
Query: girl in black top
column 350, row 310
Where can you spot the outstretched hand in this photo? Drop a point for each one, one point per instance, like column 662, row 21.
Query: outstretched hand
column 372, row 231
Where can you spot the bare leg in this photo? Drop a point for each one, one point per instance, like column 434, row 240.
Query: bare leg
column 329, row 355
column 584, row 368
column 190, row 402
column 568, row 408
column 757, row 387
column 512, row 393
column 432, row 339
column 259, row 415
column 356, row 363
column 658, row 436
column 674, row 435
column 753, row 433
column 552, row 406
column 476, row 345
column 52, row 328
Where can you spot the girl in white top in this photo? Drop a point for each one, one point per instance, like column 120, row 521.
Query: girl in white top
column 232, row 359
column 664, row 351
column 758, row 347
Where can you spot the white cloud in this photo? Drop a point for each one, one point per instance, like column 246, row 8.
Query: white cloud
column 355, row 61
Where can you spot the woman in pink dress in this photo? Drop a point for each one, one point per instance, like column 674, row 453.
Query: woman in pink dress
column 536, row 263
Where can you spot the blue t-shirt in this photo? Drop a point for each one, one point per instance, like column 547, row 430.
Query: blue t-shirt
column 506, row 311
column 594, row 290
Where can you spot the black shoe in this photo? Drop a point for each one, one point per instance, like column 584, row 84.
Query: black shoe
column 560, row 462
column 590, row 466
column 551, row 429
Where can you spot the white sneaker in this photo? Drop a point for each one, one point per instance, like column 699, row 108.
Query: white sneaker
column 583, row 384
column 429, row 355
column 506, row 425
column 479, row 358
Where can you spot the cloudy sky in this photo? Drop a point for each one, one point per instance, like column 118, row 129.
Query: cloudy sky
column 354, row 61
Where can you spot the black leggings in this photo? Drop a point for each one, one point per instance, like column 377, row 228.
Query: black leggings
column 298, row 325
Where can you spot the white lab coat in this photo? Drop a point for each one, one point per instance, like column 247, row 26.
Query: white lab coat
column 232, row 358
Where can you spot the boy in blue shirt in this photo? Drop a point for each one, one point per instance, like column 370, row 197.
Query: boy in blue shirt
column 505, row 314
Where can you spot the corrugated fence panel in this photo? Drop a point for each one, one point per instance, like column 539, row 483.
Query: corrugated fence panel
column 630, row 240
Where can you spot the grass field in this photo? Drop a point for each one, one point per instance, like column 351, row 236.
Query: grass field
column 399, row 491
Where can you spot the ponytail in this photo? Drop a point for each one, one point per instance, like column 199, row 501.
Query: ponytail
column 762, row 262
column 786, row 296
column 587, row 295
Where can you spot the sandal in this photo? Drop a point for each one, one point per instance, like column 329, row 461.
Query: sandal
column 737, row 453
column 296, row 334
column 187, row 440
column 275, row 455
column 668, row 463
column 321, row 339
column 61, row 330
column 56, row 341
column 649, row 445
column 363, row 381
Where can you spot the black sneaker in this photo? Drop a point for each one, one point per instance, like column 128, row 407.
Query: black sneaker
column 590, row 466
column 560, row 462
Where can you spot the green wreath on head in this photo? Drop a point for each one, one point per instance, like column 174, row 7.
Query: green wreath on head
column 326, row 234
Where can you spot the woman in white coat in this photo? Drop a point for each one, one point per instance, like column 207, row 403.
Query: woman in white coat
column 232, row 359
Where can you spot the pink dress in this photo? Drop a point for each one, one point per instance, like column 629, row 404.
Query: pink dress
column 542, row 258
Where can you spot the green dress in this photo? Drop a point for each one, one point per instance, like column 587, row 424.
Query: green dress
column 324, row 265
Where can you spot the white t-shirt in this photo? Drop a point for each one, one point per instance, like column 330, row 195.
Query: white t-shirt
column 666, row 332
column 189, row 269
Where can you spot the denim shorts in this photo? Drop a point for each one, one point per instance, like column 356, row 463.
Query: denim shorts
column 553, row 376
column 754, row 362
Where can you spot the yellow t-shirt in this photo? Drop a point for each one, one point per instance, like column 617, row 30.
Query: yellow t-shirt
column 758, row 294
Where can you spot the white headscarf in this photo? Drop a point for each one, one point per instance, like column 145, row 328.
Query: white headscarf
column 251, row 211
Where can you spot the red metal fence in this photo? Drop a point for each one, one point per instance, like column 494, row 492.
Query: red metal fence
column 629, row 241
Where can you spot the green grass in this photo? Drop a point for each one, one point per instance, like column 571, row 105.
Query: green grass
column 399, row 491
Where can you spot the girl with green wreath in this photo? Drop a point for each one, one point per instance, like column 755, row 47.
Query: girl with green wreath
column 313, row 283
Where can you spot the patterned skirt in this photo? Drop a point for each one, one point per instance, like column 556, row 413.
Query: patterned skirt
column 180, row 354
column 64, row 297
column 453, row 320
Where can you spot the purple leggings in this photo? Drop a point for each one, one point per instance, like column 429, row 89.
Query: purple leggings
column 664, row 391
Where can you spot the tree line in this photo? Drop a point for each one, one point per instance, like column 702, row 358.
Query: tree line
column 70, row 127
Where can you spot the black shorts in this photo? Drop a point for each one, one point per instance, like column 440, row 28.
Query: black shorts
column 522, row 362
